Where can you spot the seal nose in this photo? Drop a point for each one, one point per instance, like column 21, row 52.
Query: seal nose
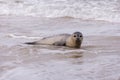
column 77, row 39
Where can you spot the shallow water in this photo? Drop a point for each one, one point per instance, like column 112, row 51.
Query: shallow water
column 98, row 58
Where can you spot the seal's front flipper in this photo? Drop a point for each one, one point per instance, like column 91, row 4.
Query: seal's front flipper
column 31, row 43
column 59, row 44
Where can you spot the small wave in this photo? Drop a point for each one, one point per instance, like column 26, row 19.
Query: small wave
column 25, row 37
column 106, row 10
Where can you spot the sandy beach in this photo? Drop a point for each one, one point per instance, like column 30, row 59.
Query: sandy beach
column 97, row 59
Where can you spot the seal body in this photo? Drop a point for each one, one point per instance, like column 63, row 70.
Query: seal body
column 71, row 40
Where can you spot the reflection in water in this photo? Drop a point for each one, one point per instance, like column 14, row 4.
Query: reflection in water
column 75, row 54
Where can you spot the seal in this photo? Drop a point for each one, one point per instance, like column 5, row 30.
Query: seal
column 70, row 40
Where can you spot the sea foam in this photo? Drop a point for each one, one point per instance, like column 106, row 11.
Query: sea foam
column 84, row 9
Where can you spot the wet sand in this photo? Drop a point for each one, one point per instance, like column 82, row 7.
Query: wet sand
column 97, row 59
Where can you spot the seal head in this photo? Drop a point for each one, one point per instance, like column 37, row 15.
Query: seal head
column 77, row 38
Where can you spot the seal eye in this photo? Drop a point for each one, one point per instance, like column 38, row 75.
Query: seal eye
column 74, row 35
column 80, row 35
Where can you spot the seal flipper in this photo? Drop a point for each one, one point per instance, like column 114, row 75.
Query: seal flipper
column 59, row 44
column 31, row 43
